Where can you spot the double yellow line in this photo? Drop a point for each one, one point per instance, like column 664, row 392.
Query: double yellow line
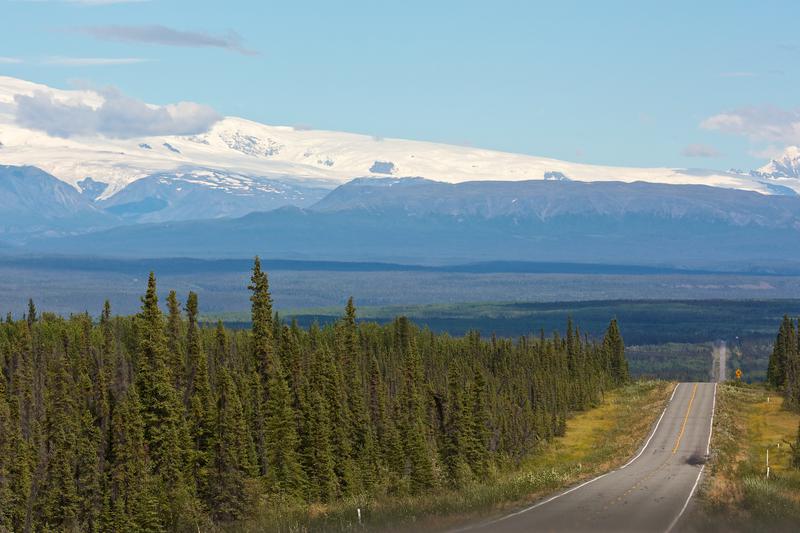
column 685, row 419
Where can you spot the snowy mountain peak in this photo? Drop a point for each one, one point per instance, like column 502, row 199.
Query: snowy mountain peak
column 786, row 166
column 239, row 147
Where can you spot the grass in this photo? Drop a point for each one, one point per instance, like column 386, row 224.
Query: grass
column 596, row 441
column 737, row 496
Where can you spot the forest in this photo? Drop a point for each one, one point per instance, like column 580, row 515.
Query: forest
column 153, row 422
column 783, row 372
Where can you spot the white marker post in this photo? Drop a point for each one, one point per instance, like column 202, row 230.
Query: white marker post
column 359, row 515
column 767, row 462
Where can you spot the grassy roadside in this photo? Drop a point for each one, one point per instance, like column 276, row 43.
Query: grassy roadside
column 736, row 496
column 596, row 441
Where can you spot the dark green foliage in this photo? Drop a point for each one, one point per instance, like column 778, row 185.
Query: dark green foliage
column 200, row 404
column 796, row 451
column 783, row 372
column 615, row 354
column 162, row 412
column 284, row 473
column 230, row 459
column 154, row 423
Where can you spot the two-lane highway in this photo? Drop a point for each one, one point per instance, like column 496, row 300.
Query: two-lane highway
column 649, row 493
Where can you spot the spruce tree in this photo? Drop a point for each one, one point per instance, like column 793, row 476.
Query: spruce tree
column 361, row 436
column 226, row 489
column 477, row 450
column 164, row 428
column 419, row 467
column 133, row 504
column 456, row 430
column 284, row 473
column 615, row 353
column 200, row 404
column 174, row 340
column 32, row 317
column 261, row 318
column 57, row 503
column 322, row 479
column 327, row 376
column 386, row 433
column 776, row 370
column 6, row 429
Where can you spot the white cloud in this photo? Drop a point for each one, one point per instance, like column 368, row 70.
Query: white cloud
column 4, row 60
column 91, row 61
column 700, row 150
column 119, row 116
column 769, row 152
column 760, row 124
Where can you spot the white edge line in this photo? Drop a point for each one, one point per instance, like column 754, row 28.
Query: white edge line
column 702, row 468
column 652, row 433
column 534, row 506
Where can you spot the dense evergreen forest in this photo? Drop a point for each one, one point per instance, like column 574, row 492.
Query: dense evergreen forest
column 153, row 422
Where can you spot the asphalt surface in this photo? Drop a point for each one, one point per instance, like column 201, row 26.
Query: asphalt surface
column 650, row 493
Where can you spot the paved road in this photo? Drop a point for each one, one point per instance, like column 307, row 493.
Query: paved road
column 650, row 493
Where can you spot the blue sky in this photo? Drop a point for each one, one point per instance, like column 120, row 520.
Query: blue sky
column 697, row 84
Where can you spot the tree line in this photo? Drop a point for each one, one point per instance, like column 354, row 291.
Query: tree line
column 783, row 372
column 157, row 422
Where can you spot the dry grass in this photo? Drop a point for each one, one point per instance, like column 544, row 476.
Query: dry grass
column 595, row 441
column 736, row 496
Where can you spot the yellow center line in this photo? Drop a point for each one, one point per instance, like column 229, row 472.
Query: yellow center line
column 685, row 419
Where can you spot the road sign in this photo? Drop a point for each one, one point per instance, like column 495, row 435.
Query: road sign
column 738, row 373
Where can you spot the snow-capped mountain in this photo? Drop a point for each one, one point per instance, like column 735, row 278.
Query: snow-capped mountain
column 199, row 194
column 786, row 167
column 303, row 157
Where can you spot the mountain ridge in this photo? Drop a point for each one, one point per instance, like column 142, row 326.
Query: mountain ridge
column 305, row 156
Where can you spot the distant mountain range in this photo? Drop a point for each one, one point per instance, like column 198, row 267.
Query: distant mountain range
column 243, row 188
column 240, row 148
column 423, row 221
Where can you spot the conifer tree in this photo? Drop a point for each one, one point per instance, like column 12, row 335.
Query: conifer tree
column 385, row 429
column 350, row 360
column 31, row 313
column 418, row 463
column 284, row 473
column 174, row 338
column 457, row 430
column 6, row 428
column 200, row 404
column 477, row 450
column 776, row 370
column 327, row 374
column 261, row 318
column 90, row 447
column 226, row 495
column 132, row 503
column 322, row 480
column 164, row 427
column 615, row 352
column 57, row 503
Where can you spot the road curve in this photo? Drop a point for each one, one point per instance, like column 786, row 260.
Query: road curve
column 649, row 493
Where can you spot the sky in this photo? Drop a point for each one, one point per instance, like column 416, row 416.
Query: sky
column 708, row 84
